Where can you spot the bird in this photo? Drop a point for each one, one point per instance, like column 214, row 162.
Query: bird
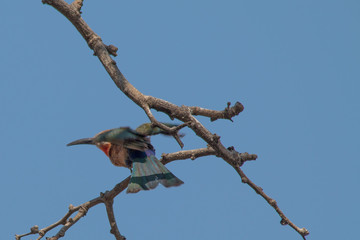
column 132, row 149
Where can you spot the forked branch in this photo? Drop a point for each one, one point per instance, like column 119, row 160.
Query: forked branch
column 106, row 198
column 183, row 113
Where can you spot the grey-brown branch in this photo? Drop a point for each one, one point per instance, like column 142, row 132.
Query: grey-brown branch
column 183, row 113
column 107, row 198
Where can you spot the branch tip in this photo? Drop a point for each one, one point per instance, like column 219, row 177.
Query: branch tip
column 304, row 232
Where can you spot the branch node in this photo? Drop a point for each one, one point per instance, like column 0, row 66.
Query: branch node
column 83, row 210
column 216, row 138
column 304, row 232
column 284, row 222
column 34, row 229
column 112, row 50
column 244, row 180
column 272, row 202
column 41, row 233
column 92, row 41
column 77, row 4
column 231, row 148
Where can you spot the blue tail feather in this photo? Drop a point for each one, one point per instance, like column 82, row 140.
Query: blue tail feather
column 148, row 172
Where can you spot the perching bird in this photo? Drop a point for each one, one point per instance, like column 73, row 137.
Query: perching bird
column 132, row 149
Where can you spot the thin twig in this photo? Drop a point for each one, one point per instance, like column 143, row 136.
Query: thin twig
column 187, row 154
column 62, row 221
column 111, row 216
column 284, row 220
column 227, row 113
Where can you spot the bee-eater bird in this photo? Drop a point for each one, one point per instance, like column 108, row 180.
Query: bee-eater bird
column 132, row 149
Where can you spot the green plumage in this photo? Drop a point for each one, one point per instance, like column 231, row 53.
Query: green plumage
column 148, row 172
column 147, row 129
column 131, row 148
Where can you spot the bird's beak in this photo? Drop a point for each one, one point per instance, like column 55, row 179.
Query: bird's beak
column 82, row 141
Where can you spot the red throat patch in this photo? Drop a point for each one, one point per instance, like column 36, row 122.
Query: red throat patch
column 105, row 147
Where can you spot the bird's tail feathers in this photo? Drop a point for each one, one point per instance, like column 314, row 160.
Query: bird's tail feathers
column 148, row 172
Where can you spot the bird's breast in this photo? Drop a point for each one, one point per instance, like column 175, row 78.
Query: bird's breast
column 118, row 155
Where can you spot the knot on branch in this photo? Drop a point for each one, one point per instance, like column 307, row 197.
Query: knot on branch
column 216, row 138
column 111, row 50
column 77, row 4
column 273, row 203
column 83, row 210
column 34, row 229
column 92, row 41
column 41, row 233
column 304, row 232
column 284, row 222
column 241, row 158
column 244, row 180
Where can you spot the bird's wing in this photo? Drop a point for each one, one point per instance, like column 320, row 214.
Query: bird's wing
column 124, row 136
column 147, row 129
column 118, row 135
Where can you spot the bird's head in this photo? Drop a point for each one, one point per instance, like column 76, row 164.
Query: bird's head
column 102, row 145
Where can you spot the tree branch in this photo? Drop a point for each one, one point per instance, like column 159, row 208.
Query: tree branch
column 227, row 113
column 110, row 212
column 284, row 220
column 192, row 154
column 183, row 113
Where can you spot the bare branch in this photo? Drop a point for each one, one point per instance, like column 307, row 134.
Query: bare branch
column 227, row 113
column 62, row 221
column 81, row 210
column 33, row 230
column 284, row 220
column 110, row 212
column 183, row 113
column 187, row 154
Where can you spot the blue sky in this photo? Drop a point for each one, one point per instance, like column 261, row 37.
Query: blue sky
column 295, row 65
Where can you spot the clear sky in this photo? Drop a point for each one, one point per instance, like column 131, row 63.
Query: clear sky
column 295, row 65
